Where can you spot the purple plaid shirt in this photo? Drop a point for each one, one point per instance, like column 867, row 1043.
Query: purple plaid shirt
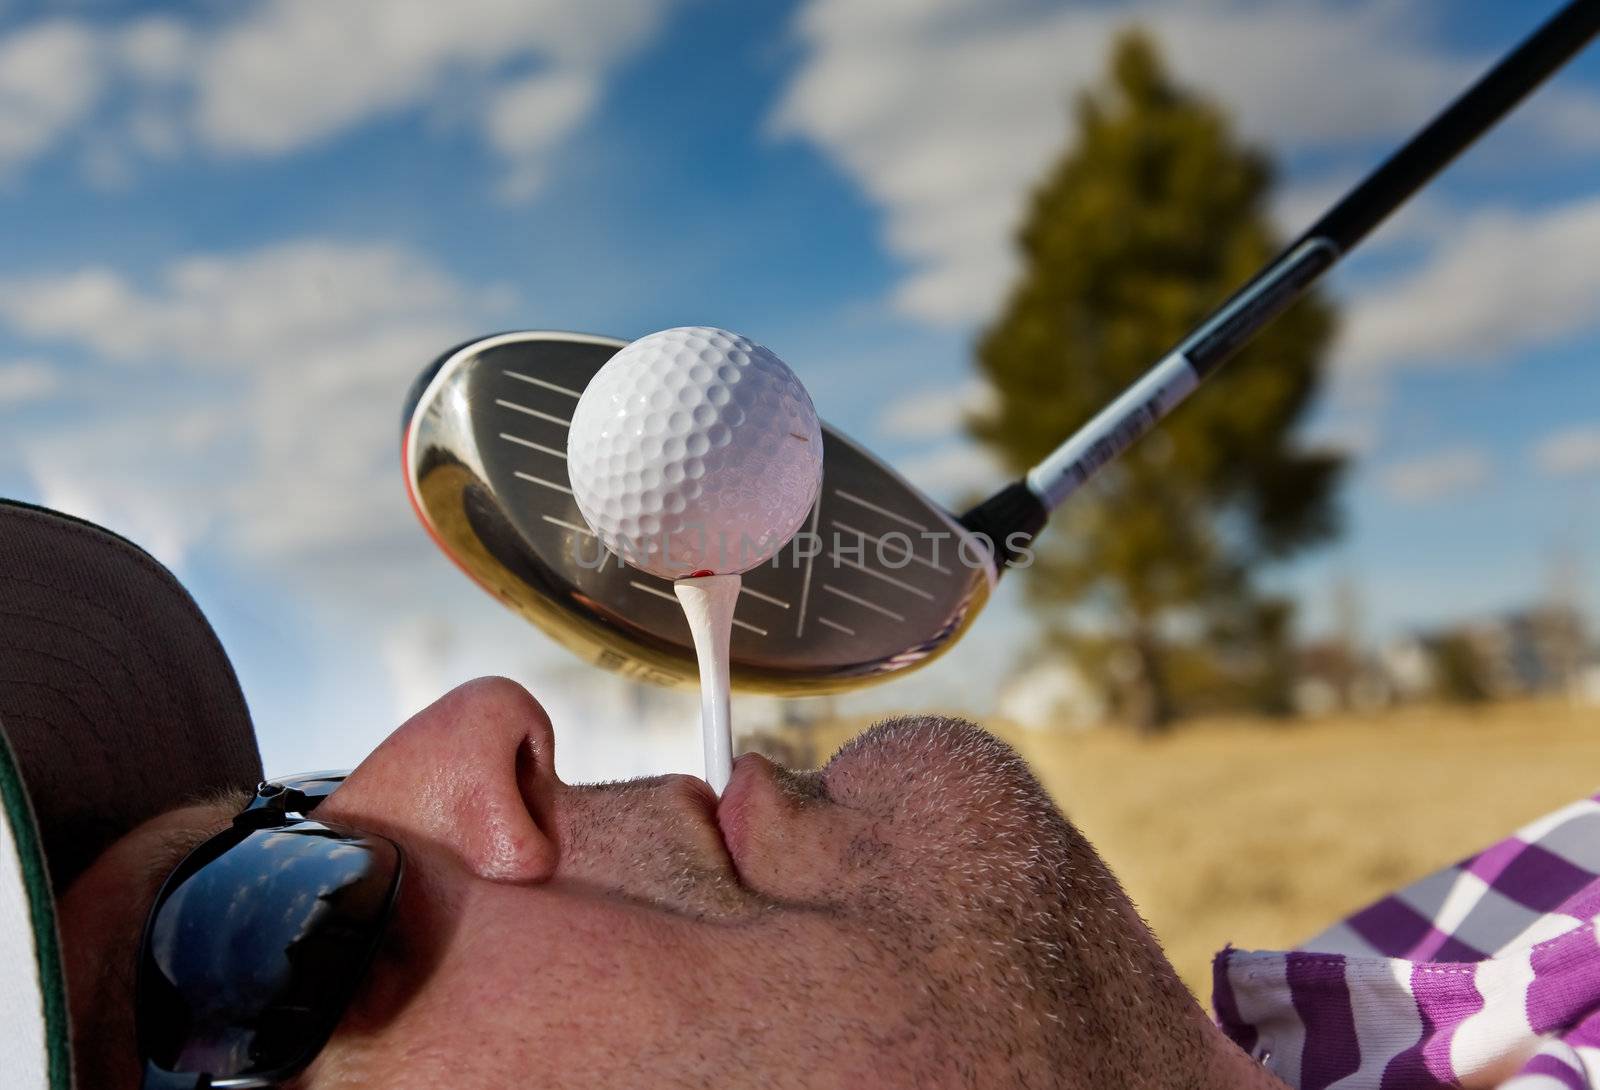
column 1486, row 974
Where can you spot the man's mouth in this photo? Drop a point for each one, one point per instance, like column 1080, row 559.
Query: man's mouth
column 734, row 809
column 702, row 799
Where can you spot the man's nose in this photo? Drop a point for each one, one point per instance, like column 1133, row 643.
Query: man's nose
column 473, row 773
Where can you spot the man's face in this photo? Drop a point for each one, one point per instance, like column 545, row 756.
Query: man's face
column 915, row 914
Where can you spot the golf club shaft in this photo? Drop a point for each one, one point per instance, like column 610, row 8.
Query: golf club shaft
column 1272, row 290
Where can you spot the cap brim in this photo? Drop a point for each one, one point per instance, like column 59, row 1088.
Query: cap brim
column 115, row 695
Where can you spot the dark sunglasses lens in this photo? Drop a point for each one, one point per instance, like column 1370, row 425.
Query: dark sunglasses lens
column 259, row 944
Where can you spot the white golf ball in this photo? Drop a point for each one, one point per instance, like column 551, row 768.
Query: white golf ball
column 695, row 451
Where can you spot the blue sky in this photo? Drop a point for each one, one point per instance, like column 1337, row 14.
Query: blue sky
column 235, row 232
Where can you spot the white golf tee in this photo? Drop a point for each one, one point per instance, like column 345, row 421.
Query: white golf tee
column 708, row 602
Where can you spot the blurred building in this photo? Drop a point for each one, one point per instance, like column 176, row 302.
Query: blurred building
column 1335, row 675
column 1408, row 664
column 1539, row 651
column 1530, row 652
column 1052, row 694
column 785, row 729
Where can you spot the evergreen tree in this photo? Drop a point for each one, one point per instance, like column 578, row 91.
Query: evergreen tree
column 1155, row 215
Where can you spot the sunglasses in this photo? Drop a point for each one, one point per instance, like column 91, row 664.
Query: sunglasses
column 257, row 942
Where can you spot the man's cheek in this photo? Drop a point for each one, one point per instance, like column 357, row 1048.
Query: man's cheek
column 480, row 1016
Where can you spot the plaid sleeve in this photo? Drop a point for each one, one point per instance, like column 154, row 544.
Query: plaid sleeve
column 1486, row 974
column 1569, row 1061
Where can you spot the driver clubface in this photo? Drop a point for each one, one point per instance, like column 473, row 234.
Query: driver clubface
column 881, row 579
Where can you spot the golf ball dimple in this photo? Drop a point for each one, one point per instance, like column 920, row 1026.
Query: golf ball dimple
column 694, row 450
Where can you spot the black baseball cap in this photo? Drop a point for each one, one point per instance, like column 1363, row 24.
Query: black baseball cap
column 117, row 703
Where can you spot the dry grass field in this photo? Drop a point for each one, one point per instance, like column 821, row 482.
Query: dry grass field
column 1262, row 834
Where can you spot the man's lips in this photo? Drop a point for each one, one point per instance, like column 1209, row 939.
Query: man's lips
column 727, row 823
column 733, row 814
column 702, row 798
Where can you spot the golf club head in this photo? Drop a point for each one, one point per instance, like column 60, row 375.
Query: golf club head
column 881, row 580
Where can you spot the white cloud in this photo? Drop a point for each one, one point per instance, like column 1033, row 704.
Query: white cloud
column 284, row 75
column 25, row 380
column 954, row 472
column 298, row 71
column 1438, row 476
column 1501, row 281
column 1570, row 452
column 295, row 71
column 95, row 474
column 158, row 49
column 275, row 377
column 50, row 77
column 935, row 414
column 267, row 309
column 527, row 118
column 946, row 113
column 1347, row 432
